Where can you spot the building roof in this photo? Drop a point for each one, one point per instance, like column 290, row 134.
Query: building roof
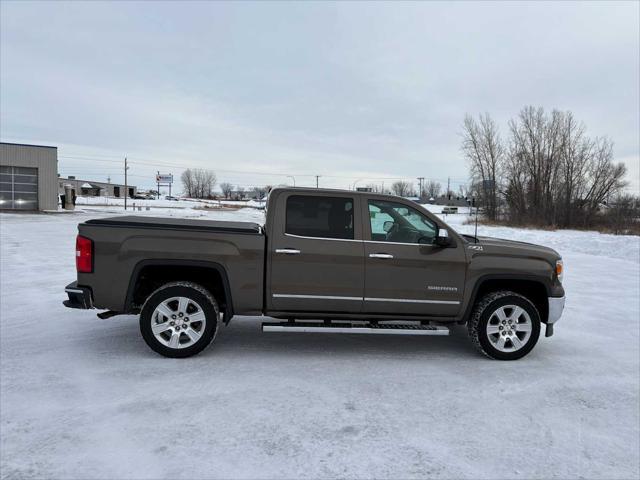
column 27, row 145
column 90, row 183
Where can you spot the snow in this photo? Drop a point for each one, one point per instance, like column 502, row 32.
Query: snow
column 180, row 203
column 85, row 398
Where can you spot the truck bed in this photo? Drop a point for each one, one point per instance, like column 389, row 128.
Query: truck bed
column 124, row 248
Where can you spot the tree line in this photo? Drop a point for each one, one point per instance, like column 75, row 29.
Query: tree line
column 547, row 171
column 200, row 183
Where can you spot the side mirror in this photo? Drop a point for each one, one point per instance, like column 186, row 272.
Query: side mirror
column 443, row 239
column 387, row 226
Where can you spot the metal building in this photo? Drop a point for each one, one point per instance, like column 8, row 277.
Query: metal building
column 28, row 177
column 91, row 188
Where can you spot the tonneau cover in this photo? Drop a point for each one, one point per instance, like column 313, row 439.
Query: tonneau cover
column 132, row 221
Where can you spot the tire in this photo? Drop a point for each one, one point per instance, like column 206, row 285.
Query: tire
column 504, row 325
column 179, row 319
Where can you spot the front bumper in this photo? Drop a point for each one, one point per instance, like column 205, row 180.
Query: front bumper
column 556, row 307
column 79, row 297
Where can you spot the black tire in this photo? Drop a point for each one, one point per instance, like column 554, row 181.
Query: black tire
column 193, row 292
column 482, row 313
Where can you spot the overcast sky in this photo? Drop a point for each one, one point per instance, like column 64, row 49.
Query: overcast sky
column 346, row 91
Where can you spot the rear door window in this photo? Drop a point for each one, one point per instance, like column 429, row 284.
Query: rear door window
column 320, row 217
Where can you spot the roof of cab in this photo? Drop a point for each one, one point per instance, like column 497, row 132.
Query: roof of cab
column 329, row 191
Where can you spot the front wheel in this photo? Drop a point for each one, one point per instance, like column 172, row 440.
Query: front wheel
column 179, row 319
column 504, row 325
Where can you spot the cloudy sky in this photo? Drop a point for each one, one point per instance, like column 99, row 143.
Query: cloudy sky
column 354, row 92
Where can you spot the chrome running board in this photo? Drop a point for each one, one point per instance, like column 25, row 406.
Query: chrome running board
column 363, row 328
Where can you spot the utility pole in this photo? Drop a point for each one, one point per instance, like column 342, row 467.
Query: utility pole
column 420, row 181
column 317, row 177
column 126, row 187
column 448, row 188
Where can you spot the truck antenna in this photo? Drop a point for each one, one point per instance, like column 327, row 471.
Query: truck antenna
column 475, row 235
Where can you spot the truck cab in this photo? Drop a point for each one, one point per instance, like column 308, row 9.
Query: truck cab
column 360, row 253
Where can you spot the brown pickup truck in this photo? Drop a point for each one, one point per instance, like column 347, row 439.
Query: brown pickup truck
column 325, row 261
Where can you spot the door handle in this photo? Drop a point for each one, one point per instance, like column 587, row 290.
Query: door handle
column 288, row 251
column 380, row 255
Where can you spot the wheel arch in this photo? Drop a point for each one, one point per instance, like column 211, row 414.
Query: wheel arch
column 148, row 275
column 535, row 289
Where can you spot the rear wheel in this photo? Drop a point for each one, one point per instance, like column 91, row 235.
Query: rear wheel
column 504, row 325
column 179, row 319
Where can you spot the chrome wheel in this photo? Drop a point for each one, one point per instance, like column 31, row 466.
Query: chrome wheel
column 509, row 328
column 178, row 322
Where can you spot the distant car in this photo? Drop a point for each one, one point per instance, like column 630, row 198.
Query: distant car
column 169, row 197
column 450, row 210
column 139, row 196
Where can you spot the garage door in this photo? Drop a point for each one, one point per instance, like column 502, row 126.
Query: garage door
column 18, row 188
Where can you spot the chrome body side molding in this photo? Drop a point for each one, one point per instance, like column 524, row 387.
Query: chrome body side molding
column 366, row 299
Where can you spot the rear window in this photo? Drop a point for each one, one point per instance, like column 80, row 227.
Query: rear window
column 322, row 217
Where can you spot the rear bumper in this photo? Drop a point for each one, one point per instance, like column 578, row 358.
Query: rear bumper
column 79, row 297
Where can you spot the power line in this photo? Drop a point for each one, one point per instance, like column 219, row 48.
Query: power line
column 133, row 161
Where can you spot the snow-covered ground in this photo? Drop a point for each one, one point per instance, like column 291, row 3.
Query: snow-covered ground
column 162, row 203
column 85, row 398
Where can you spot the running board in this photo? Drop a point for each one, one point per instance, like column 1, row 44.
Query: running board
column 367, row 328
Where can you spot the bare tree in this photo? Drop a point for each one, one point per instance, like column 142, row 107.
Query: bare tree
column 259, row 192
column 226, row 188
column 483, row 149
column 623, row 213
column 205, row 181
column 198, row 182
column 551, row 174
column 536, row 143
column 239, row 193
column 188, row 183
column 605, row 179
column 432, row 189
column 375, row 187
column 402, row 188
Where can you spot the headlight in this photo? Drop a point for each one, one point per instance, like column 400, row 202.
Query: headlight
column 559, row 270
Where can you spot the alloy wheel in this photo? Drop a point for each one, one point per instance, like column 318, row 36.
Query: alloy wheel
column 178, row 322
column 509, row 328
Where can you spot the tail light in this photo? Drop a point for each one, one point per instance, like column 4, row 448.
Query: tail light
column 84, row 255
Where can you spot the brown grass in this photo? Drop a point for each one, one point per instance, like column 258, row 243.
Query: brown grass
column 634, row 230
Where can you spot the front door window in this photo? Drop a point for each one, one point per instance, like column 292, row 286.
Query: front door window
column 399, row 223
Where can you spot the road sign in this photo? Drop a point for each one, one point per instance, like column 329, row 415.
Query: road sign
column 162, row 178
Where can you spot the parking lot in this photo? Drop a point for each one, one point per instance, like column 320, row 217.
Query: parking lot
column 83, row 397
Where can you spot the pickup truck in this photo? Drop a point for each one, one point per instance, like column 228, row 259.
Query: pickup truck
column 324, row 261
